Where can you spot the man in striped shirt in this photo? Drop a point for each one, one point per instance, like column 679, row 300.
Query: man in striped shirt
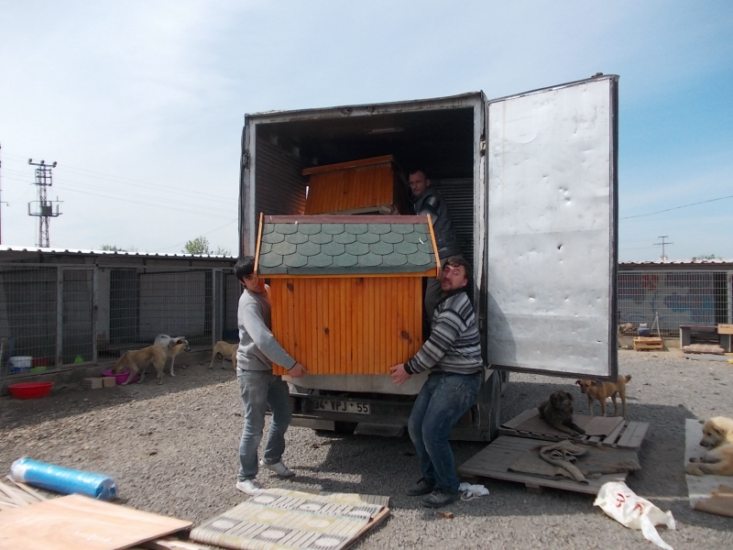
column 452, row 355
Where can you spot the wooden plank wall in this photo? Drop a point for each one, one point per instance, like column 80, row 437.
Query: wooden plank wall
column 356, row 325
column 351, row 190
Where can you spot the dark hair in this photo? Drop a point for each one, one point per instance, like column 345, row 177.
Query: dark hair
column 458, row 261
column 417, row 168
column 244, row 267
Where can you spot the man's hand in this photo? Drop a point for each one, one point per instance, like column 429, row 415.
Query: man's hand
column 398, row 373
column 297, row 371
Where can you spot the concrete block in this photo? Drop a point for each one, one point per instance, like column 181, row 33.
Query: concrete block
column 93, row 383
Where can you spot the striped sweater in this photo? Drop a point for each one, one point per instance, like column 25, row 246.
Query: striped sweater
column 454, row 344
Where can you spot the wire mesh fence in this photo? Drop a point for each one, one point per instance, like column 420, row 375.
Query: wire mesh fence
column 54, row 316
column 675, row 297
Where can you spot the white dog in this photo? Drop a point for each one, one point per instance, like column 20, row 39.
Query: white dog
column 173, row 346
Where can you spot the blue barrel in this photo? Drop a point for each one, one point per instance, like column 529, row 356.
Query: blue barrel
column 63, row 480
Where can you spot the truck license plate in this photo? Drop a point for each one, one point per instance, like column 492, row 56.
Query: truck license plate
column 338, row 405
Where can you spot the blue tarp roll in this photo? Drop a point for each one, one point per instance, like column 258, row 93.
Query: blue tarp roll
column 63, row 480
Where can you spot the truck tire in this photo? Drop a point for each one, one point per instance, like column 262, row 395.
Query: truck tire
column 344, row 428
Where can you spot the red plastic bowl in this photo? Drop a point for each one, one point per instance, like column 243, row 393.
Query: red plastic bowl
column 120, row 377
column 30, row 390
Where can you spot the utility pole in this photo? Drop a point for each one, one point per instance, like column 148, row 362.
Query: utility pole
column 1, row 199
column 663, row 244
column 45, row 208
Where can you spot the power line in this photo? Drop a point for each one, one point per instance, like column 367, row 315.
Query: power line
column 678, row 207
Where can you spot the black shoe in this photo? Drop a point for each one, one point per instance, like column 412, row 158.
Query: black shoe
column 422, row 487
column 439, row 498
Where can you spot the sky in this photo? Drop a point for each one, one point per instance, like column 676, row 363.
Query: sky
column 141, row 103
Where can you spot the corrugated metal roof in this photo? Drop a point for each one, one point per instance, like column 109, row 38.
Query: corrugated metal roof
column 345, row 245
column 90, row 252
column 676, row 263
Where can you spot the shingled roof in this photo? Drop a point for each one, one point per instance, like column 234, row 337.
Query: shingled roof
column 346, row 245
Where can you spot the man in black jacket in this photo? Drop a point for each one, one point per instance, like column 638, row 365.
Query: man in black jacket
column 427, row 201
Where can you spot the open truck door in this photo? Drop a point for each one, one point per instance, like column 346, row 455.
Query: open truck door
column 551, row 243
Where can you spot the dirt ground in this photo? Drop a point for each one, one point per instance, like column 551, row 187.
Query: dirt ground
column 172, row 449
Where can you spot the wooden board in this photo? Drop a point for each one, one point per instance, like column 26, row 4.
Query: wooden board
column 612, row 431
column 707, row 493
column 280, row 518
column 76, row 521
column 495, row 460
column 648, row 343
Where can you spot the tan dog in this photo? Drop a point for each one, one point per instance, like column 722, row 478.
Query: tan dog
column 600, row 391
column 717, row 438
column 137, row 361
column 224, row 350
column 173, row 346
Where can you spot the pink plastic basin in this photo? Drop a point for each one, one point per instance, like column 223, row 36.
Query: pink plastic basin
column 120, row 377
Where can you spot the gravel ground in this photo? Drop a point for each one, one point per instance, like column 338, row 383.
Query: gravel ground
column 172, row 449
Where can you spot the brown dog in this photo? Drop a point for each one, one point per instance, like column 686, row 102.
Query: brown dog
column 137, row 361
column 224, row 350
column 717, row 438
column 600, row 391
column 557, row 411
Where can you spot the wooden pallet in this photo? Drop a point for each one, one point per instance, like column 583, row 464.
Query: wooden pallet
column 609, row 431
column 495, row 462
column 648, row 343
column 616, row 436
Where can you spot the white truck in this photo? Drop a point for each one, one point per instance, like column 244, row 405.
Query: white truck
column 530, row 182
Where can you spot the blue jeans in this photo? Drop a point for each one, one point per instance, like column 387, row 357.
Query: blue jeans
column 442, row 401
column 258, row 390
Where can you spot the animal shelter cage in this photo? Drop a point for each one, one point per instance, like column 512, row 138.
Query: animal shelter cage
column 680, row 294
column 65, row 308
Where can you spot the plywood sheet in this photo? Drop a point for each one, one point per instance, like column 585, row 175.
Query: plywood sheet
column 76, row 521
column 707, row 493
column 496, row 460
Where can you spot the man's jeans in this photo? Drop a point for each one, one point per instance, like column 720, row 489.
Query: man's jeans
column 442, row 401
column 258, row 390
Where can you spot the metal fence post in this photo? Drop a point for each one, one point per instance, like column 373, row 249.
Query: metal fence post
column 59, row 316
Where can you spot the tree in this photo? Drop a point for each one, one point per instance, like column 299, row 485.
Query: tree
column 112, row 248
column 704, row 257
column 200, row 245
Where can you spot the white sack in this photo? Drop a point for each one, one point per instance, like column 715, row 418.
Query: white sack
column 623, row 505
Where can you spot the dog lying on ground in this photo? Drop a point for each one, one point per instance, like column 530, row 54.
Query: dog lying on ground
column 717, row 438
column 600, row 391
column 173, row 346
column 557, row 411
column 137, row 361
column 224, row 350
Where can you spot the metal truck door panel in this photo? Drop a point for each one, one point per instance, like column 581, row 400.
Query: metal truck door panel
column 551, row 230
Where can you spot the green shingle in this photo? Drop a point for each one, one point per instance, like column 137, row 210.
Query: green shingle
column 332, row 228
column 342, row 248
column 344, row 238
column 393, row 238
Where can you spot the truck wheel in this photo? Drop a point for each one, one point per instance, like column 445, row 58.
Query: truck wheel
column 344, row 428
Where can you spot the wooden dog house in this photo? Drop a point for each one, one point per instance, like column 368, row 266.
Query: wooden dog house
column 364, row 186
column 346, row 290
